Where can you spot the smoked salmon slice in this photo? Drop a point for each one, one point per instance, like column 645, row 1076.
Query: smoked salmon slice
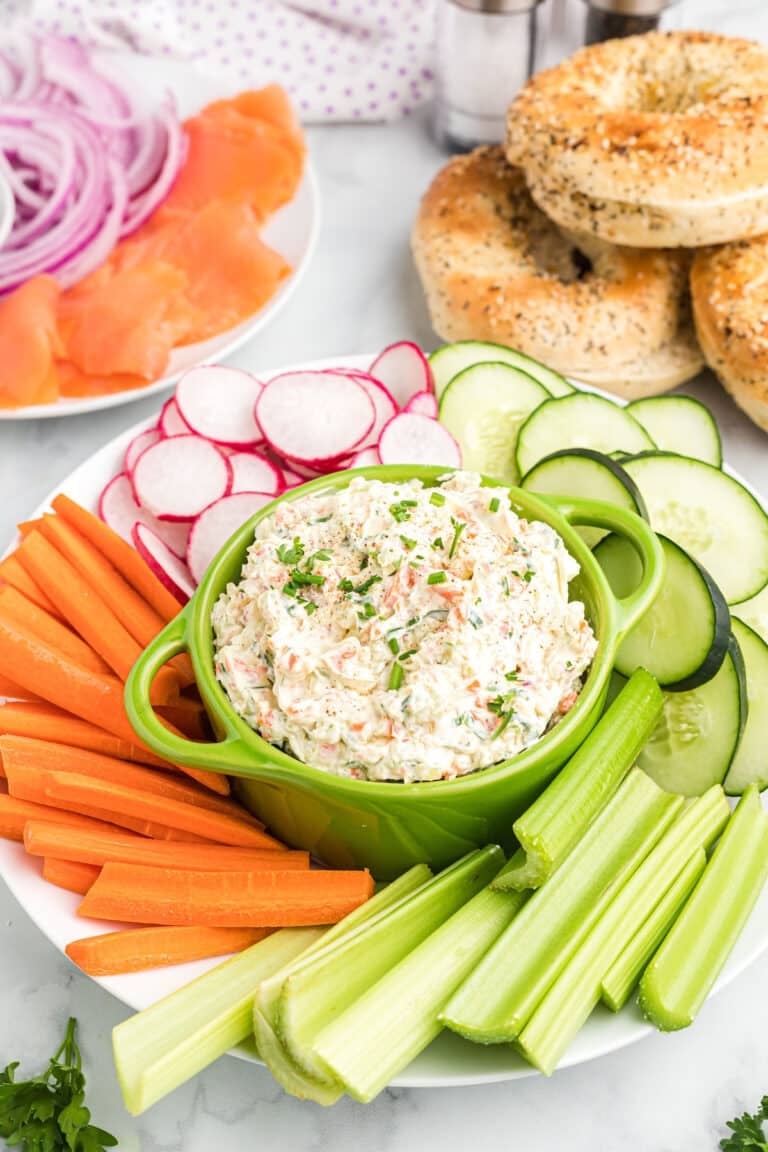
column 29, row 343
column 127, row 321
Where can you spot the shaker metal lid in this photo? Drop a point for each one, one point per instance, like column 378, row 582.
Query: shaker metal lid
column 498, row 7
column 632, row 7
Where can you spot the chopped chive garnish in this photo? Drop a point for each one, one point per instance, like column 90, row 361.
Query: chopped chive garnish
column 367, row 612
column 458, row 528
column 438, row 499
column 438, row 542
column 347, row 586
column 475, row 620
column 291, row 555
column 402, row 510
column 363, row 563
column 529, row 575
column 395, row 677
column 436, row 578
column 407, row 543
column 505, row 585
column 413, row 620
column 321, row 519
column 494, row 504
column 394, row 647
column 407, row 655
column 309, row 607
column 510, row 675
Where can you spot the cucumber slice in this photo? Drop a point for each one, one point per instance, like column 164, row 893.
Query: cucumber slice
column 680, row 658
column 699, row 731
column 754, row 612
column 680, row 424
column 750, row 764
column 710, row 515
column 580, row 420
column 583, row 472
column 451, row 359
column 483, row 407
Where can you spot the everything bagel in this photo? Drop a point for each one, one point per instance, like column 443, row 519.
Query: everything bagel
column 650, row 141
column 729, row 288
column 495, row 268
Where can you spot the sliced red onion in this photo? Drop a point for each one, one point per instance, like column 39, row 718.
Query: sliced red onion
column 84, row 169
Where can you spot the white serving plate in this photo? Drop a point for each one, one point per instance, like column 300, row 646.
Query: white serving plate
column 449, row 1061
column 292, row 232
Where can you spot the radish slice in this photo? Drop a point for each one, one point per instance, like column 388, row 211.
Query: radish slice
column 424, row 404
column 118, row 509
column 254, row 473
column 414, row 439
column 218, row 403
column 214, row 526
column 171, row 422
column 364, row 458
column 315, row 417
column 138, row 444
column 384, row 406
column 170, row 571
column 177, row 478
column 404, row 370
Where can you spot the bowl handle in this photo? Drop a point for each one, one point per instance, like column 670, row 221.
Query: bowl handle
column 217, row 757
column 601, row 514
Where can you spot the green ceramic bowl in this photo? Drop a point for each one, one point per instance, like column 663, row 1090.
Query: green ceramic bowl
column 390, row 826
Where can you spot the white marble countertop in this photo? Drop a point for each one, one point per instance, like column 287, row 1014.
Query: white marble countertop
column 665, row 1094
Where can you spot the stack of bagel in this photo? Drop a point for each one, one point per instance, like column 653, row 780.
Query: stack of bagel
column 620, row 235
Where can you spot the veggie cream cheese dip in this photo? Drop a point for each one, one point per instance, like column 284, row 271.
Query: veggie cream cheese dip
column 397, row 632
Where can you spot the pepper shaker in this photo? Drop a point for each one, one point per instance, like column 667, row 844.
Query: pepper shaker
column 611, row 19
column 485, row 54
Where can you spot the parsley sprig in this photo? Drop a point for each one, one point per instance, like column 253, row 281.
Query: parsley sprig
column 748, row 1134
column 48, row 1113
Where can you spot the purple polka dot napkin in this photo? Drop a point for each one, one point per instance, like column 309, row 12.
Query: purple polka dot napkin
column 340, row 60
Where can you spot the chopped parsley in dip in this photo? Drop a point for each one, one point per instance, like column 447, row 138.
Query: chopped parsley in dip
column 395, row 632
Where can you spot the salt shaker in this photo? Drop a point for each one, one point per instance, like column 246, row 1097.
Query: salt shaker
column 610, row 19
column 485, row 54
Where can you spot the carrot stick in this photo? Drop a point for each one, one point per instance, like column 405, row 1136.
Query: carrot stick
column 83, row 608
column 50, row 674
column 12, row 691
column 41, row 755
column 72, row 789
column 15, row 814
column 45, row 837
column 66, row 874
column 136, row 949
column 49, row 628
column 189, row 716
column 130, row 608
column 27, row 526
column 30, row 784
column 140, row 895
column 12, row 573
column 47, row 722
column 121, row 555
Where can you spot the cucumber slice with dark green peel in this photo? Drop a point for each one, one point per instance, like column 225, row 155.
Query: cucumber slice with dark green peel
column 581, row 420
column 683, row 637
column 583, row 472
column 750, row 764
column 680, row 424
column 709, row 514
column 483, row 408
column 754, row 612
column 451, row 359
column 696, row 739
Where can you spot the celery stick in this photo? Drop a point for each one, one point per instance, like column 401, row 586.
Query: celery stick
column 269, row 990
column 286, row 1071
column 624, row 973
column 679, row 978
column 576, row 991
column 495, row 1003
column 158, row 1049
column 161, row 1047
column 557, row 820
column 318, row 991
column 383, row 1030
